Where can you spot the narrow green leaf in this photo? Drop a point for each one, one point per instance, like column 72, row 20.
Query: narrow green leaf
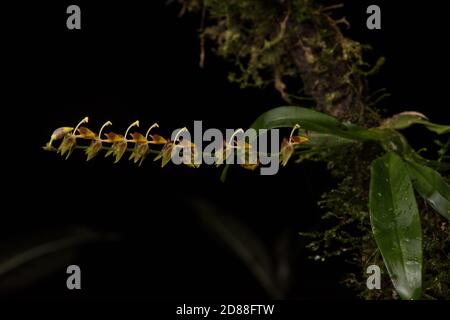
column 326, row 140
column 285, row 117
column 289, row 116
column 396, row 224
column 396, row 142
column 407, row 119
column 431, row 186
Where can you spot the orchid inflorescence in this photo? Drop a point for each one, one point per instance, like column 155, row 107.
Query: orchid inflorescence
column 117, row 145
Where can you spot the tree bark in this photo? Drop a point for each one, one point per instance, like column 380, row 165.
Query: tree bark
column 328, row 68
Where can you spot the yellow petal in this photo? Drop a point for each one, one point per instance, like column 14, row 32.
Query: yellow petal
column 85, row 133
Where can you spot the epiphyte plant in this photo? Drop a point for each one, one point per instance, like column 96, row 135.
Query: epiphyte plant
column 297, row 47
column 396, row 174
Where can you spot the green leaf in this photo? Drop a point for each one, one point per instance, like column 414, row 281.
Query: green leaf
column 406, row 119
column 396, row 142
column 286, row 117
column 308, row 119
column 396, row 224
column 431, row 186
column 326, row 140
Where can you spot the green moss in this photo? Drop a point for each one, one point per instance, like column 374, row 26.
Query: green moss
column 268, row 41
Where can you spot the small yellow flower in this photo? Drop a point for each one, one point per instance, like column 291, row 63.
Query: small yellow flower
column 287, row 146
column 70, row 139
column 57, row 135
column 96, row 144
column 141, row 148
column 157, row 139
column 166, row 154
column 118, row 147
column 85, row 133
column 67, row 145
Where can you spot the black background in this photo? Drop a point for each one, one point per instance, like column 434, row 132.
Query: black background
column 140, row 61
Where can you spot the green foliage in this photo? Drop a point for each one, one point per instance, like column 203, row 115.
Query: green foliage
column 407, row 119
column 297, row 42
column 394, row 214
column 273, row 42
column 315, row 121
column 396, row 224
column 346, row 230
column 432, row 187
column 326, row 129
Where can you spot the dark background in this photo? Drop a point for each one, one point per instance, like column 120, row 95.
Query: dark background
column 140, row 61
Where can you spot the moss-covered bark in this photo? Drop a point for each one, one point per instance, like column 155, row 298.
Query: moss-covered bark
column 295, row 42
